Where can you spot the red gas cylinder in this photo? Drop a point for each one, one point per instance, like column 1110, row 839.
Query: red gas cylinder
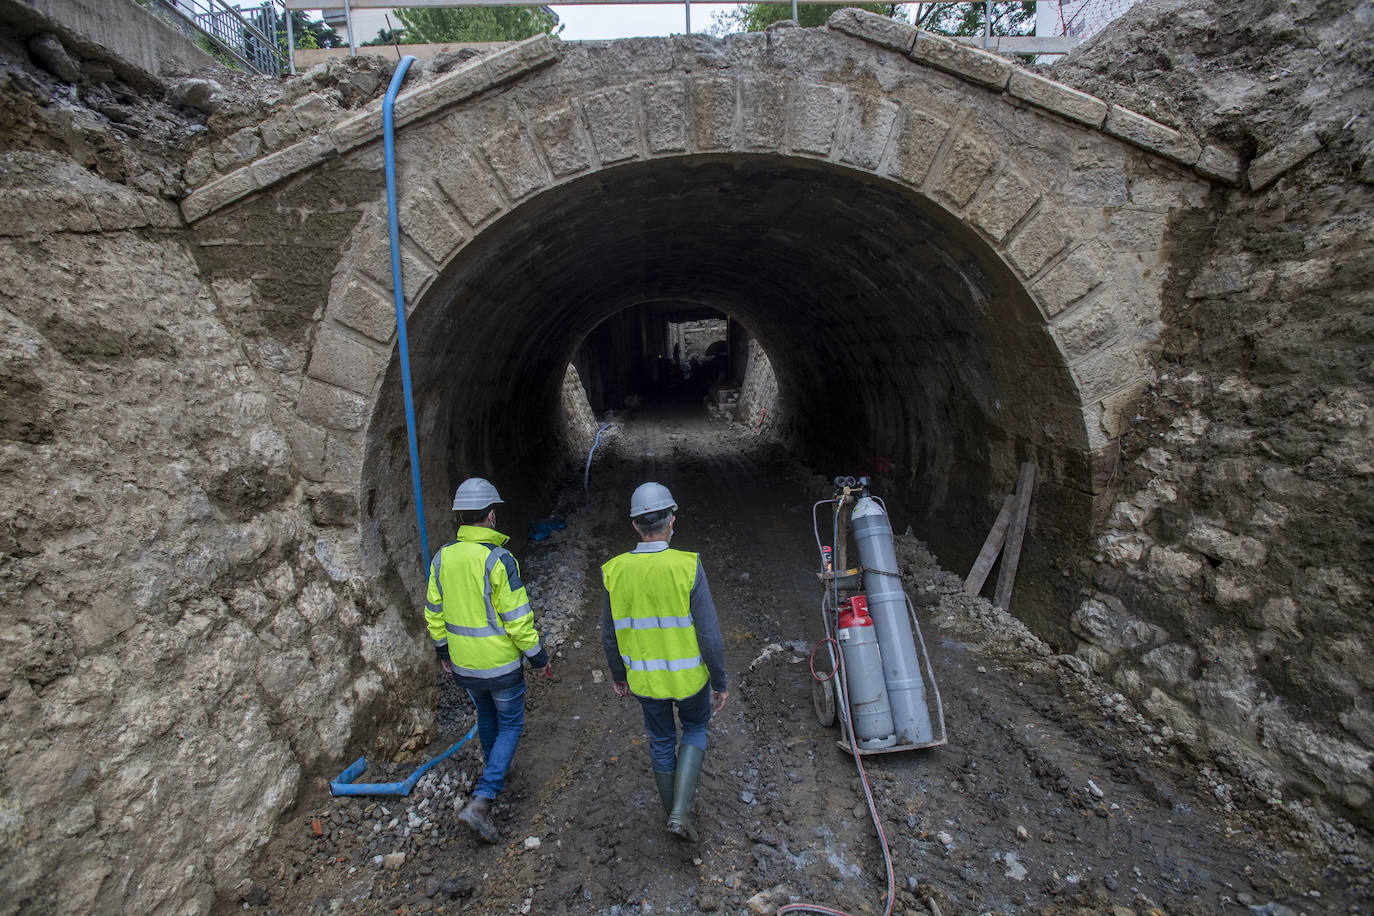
column 870, row 715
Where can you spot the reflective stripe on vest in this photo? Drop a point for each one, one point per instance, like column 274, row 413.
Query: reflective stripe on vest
column 650, row 595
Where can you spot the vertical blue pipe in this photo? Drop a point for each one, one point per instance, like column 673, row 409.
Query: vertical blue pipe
column 398, row 290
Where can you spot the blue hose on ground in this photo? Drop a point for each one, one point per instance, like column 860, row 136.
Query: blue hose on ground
column 592, row 451
column 398, row 291
column 345, row 785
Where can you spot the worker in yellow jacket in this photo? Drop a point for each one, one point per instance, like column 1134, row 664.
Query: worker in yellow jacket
column 483, row 629
column 663, row 644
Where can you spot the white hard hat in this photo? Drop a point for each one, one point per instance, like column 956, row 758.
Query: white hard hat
column 475, row 493
column 650, row 497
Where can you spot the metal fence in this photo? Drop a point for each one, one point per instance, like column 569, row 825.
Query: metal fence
column 254, row 37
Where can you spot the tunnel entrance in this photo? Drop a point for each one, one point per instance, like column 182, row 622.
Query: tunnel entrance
column 903, row 346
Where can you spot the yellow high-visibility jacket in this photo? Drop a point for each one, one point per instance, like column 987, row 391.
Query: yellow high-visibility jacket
column 650, row 597
column 477, row 608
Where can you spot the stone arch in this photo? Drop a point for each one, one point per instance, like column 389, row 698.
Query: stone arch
column 1065, row 199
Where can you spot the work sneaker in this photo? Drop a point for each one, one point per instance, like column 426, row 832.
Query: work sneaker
column 477, row 815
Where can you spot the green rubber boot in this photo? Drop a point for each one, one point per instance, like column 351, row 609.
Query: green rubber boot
column 665, row 789
column 685, row 778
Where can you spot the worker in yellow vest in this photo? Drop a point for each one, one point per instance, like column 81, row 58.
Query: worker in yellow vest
column 479, row 617
column 663, row 644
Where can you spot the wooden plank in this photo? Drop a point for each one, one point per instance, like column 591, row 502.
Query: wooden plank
column 991, row 547
column 1011, row 556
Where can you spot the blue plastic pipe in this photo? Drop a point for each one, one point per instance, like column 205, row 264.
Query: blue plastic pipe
column 398, row 292
column 592, row 451
column 345, row 785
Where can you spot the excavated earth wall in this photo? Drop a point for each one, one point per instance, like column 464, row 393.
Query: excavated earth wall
column 184, row 644
column 1234, row 577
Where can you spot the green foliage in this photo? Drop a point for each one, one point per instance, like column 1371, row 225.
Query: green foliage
column 475, row 23
column 311, row 33
column 387, row 37
column 755, row 17
column 1015, row 18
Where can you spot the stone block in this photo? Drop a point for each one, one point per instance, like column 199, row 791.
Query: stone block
column 1139, row 130
column 867, row 129
column 613, row 117
column 1058, row 98
column 471, row 187
column 365, row 309
column 713, row 112
column 238, row 149
column 565, row 144
column 882, row 31
column 342, row 458
column 1172, row 570
column 1216, row 542
column 1219, row 164
column 972, row 64
column 1266, row 169
column 280, row 131
column 429, row 222
column 299, row 156
column 331, row 407
column 1069, row 280
column 374, row 260
column 1275, row 614
column 1104, row 372
column 313, row 112
column 334, row 507
column 357, row 130
column 1002, row 207
column 520, row 58
column 665, row 116
column 345, row 361
column 814, row 113
column 966, row 166
column 307, row 448
column 218, row 194
column 511, row 155
column 918, row 141
column 1040, row 239
column 1087, row 328
column 763, row 105
column 458, row 84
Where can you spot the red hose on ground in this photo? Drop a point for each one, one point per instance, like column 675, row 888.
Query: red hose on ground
column 868, row 797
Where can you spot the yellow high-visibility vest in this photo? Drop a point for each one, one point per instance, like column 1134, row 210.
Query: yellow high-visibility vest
column 651, row 606
column 477, row 605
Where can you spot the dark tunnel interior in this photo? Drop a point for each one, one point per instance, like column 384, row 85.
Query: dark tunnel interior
column 901, row 343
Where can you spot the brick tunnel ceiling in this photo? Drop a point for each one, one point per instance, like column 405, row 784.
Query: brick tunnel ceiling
column 880, row 312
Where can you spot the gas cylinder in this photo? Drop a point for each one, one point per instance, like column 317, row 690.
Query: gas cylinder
column 870, row 717
column 887, row 602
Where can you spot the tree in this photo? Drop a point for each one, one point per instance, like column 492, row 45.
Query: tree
column 1016, row 18
column 311, row 33
column 476, row 23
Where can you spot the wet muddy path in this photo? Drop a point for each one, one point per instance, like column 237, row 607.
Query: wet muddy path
column 1052, row 795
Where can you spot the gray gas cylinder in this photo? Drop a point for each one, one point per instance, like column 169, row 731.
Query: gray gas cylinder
column 870, row 715
column 906, row 691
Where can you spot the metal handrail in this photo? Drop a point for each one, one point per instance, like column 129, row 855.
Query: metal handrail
column 249, row 36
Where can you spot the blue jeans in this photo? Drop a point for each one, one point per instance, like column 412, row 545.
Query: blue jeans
column 500, row 721
column 695, row 714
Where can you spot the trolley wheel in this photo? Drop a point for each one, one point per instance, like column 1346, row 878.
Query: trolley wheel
column 823, row 698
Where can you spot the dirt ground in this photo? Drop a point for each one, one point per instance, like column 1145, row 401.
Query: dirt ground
column 1052, row 795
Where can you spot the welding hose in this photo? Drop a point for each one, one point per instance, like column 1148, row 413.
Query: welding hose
column 841, row 701
column 398, row 293
column 868, row 795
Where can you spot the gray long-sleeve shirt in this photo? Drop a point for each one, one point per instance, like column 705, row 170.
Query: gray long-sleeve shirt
column 703, row 611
